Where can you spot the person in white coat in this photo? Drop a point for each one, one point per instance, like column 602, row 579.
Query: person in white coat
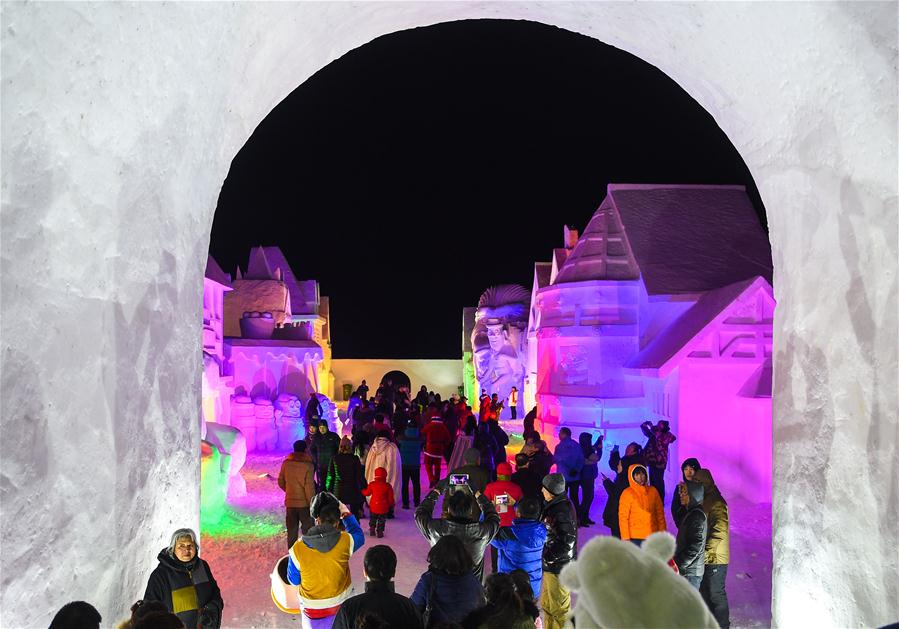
column 384, row 453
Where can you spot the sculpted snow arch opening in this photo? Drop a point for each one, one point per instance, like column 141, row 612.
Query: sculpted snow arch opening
column 622, row 327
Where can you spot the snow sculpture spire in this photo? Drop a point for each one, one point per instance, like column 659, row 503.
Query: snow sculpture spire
column 602, row 253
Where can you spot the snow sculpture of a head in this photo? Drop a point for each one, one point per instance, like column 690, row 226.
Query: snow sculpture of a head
column 622, row 585
column 499, row 339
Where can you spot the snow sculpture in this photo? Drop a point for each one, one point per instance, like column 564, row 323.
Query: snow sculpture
column 289, row 417
column 243, row 417
column 257, row 325
column 266, row 428
column 499, row 339
column 213, row 482
column 231, row 444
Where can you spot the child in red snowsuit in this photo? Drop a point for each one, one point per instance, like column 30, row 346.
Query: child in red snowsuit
column 382, row 499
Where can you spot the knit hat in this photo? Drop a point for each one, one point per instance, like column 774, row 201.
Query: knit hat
column 381, row 473
column 504, row 469
column 320, row 501
column 554, row 483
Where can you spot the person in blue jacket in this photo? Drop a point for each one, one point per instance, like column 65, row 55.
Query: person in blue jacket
column 569, row 461
column 520, row 546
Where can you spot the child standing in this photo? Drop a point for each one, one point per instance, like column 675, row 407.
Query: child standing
column 381, row 501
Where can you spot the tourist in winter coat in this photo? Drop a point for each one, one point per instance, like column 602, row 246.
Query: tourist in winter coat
column 437, row 440
column 560, row 549
column 529, row 419
column 295, row 480
column 184, row 583
column 659, row 438
column 689, row 554
column 503, row 493
column 486, row 446
column 502, row 440
column 717, row 549
column 592, row 452
column 633, row 455
column 319, row 561
column 640, row 512
column 477, row 477
column 410, row 445
column 379, row 599
column 449, row 590
column 504, row 609
column 324, row 446
column 569, row 463
column 313, row 412
column 384, row 453
column 525, row 477
column 381, row 501
column 688, row 468
column 349, row 479
column 461, row 520
column 541, row 458
column 521, row 547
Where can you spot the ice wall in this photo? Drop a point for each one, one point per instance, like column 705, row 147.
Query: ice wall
column 119, row 122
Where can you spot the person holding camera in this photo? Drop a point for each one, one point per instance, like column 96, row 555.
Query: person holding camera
column 461, row 518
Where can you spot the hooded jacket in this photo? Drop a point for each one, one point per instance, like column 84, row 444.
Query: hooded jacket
column 295, row 478
column 319, row 564
column 382, row 497
column 384, row 453
column 561, row 534
column 689, row 553
column 185, row 588
column 640, row 512
column 616, row 487
column 523, row 548
column 475, row 536
column 717, row 545
column 410, row 447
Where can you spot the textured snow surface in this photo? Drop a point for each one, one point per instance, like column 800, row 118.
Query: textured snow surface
column 119, row 122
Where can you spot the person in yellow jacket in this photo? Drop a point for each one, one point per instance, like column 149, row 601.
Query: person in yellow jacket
column 717, row 549
column 640, row 511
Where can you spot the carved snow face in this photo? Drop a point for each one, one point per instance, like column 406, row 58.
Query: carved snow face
column 496, row 336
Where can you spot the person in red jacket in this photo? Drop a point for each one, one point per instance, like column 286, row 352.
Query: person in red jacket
column 437, row 440
column 382, row 500
column 503, row 493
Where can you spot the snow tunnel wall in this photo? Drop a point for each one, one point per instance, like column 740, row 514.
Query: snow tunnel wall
column 119, row 123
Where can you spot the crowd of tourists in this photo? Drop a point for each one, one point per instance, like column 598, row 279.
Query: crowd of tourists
column 527, row 515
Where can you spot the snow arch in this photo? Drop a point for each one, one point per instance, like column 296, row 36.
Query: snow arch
column 119, row 124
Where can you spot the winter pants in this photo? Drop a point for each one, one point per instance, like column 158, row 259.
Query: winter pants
column 588, row 489
column 411, row 473
column 693, row 580
column 432, row 466
column 573, row 486
column 714, row 593
column 377, row 522
column 297, row 517
column 514, row 411
column 555, row 601
column 657, row 480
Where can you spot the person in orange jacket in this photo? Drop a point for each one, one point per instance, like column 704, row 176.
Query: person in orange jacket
column 640, row 511
column 382, row 499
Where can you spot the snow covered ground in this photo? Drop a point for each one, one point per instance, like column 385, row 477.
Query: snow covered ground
column 244, row 547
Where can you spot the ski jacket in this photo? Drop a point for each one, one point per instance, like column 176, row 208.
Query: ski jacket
column 381, row 493
column 410, row 446
column 717, row 545
column 561, row 534
column 689, row 553
column 521, row 546
column 320, row 564
column 295, row 478
column 186, row 589
column 324, row 447
column 640, row 512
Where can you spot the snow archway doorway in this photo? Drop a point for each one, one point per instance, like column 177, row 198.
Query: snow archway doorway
column 110, row 197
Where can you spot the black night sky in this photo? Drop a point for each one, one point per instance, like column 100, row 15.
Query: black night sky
column 418, row 170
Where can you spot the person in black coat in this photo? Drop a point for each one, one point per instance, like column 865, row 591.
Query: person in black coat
column 462, row 521
column 449, row 589
column 184, row 583
column 692, row 527
column 633, row 455
column 502, row 440
column 379, row 599
column 559, row 550
column 349, row 478
column 525, row 477
column 324, row 447
column 485, row 443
